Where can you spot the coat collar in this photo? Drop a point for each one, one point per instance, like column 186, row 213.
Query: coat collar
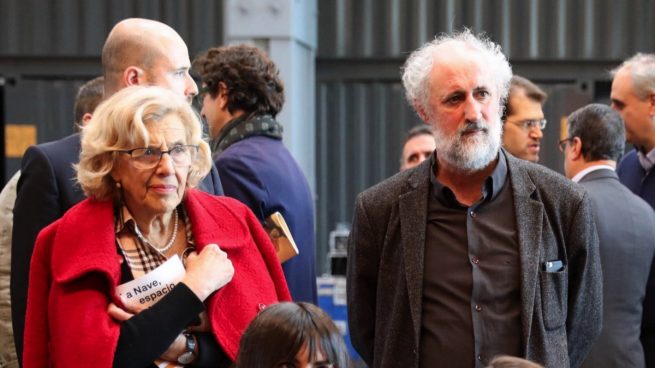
column 529, row 222
column 413, row 221
column 85, row 233
column 412, row 206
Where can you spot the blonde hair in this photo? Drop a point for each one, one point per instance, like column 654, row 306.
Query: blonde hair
column 120, row 123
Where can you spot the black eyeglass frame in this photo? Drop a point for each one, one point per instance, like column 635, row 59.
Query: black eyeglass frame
column 143, row 166
column 562, row 144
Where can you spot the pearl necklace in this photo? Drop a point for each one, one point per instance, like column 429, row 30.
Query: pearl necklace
column 165, row 247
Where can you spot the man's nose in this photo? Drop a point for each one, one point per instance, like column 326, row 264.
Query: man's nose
column 536, row 133
column 191, row 89
column 472, row 109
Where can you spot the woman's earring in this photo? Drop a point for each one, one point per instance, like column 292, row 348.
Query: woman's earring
column 118, row 185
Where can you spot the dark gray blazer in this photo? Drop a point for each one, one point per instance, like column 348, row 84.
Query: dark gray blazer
column 626, row 230
column 561, row 312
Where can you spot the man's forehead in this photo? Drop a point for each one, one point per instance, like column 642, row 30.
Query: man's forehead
column 461, row 74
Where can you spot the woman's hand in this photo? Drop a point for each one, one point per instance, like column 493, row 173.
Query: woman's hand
column 177, row 348
column 118, row 313
column 208, row 271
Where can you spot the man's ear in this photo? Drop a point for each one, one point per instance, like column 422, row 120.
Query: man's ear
column 222, row 95
column 133, row 76
column 651, row 107
column 421, row 112
column 576, row 149
column 86, row 118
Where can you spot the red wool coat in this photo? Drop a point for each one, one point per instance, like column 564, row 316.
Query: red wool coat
column 75, row 270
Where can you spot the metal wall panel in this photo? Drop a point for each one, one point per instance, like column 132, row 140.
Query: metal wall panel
column 79, row 27
column 49, row 48
column 526, row 29
column 359, row 129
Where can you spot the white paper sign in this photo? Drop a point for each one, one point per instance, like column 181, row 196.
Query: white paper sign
column 148, row 289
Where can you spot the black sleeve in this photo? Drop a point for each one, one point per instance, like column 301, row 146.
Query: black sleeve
column 210, row 353
column 37, row 205
column 146, row 336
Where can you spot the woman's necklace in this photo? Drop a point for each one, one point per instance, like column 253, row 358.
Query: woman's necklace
column 165, row 247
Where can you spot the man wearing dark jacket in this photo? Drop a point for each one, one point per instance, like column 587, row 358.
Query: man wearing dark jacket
column 626, row 229
column 473, row 253
column 241, row 95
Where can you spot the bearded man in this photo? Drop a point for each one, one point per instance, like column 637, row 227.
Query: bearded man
column 473, row 253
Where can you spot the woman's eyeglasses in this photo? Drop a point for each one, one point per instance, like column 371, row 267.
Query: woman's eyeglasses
column 149, row 157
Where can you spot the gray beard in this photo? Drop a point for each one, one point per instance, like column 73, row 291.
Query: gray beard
column 466, row 153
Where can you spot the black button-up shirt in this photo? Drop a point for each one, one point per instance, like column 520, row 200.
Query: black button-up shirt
column 471, row 282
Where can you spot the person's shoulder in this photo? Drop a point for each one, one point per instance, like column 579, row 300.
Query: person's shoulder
column 394, row 186
column 213, row 202
column 64, row 149
column 629, row 162
column 547, row 181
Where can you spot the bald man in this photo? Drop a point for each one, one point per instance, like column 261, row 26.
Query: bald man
column 136, row 52
column 146, row 52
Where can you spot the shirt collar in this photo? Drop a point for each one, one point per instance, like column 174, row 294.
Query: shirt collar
column 588, row 170
column 490, row 189
column 123, row 218
column 647, row 161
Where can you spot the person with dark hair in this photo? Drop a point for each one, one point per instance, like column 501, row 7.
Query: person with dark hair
column 241, row 96
column 417, row 147
column 87, row 99
column 626, row 229
column 137, row 52
column 292, row 335
column 473, row 253
column 523, row 119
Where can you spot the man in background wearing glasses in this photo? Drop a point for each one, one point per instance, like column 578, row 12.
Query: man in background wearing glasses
column 626, row 232
column 523, row 119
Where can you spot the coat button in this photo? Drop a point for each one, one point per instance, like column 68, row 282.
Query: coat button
column 478, row 307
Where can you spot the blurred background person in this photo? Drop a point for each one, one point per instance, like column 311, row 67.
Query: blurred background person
column 626, row 231
column 292, row 335
column 523, row 119
column 241, row 95
column 87, row 99
column 141, row 155
column 417, row 147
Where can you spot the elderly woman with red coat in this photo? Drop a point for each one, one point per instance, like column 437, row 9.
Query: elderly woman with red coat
column 141, row 156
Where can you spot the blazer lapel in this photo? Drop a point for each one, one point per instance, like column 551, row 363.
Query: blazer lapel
column 529, row 221
column 413, row 219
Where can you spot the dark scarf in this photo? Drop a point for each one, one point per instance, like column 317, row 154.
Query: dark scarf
column 244, row 126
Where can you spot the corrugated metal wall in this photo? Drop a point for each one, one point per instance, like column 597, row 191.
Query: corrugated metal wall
column 49, row 48
column 533, row 29
column 566, row 46
column 75, row 28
